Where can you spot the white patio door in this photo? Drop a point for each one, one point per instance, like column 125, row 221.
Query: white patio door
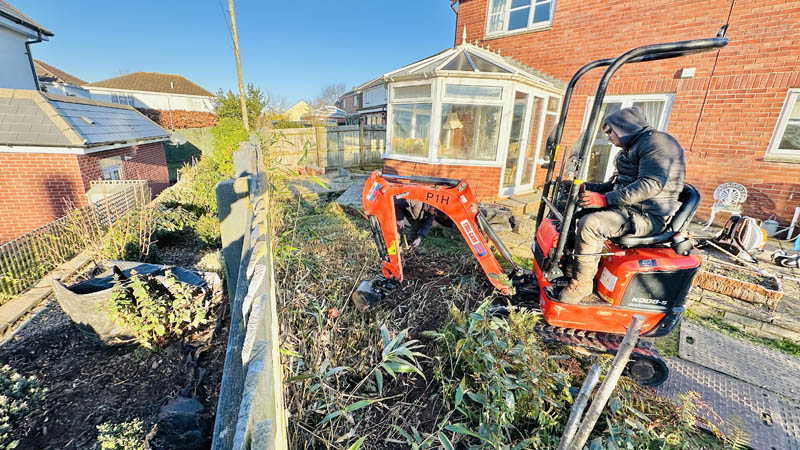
column 601, row 162
column 517, row 143
column 533, row 115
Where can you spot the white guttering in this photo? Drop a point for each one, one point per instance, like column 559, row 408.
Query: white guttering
column 75, row 150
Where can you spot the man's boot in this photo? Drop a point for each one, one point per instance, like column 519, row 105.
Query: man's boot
column 581, row 284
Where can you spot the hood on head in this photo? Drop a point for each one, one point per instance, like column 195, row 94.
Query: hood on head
column 627, row 122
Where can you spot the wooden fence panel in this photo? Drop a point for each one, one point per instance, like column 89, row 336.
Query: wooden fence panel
column 329, row 147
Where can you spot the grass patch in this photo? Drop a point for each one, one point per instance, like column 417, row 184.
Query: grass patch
column 719, row 324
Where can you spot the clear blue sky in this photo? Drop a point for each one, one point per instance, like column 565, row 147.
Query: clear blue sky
column 291, row 48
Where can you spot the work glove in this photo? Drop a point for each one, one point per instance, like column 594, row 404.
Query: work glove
column 416, row 242
column 591, row 199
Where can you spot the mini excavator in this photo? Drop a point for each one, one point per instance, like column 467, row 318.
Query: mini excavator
column 646, row 275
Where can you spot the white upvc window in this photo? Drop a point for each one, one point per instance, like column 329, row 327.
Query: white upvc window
column 785, row 142
column 508, row 16
column 656, row 108
column 470, row 119
column 410, row 128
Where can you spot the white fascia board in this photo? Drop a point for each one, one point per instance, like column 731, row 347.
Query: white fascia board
column 4, row 22
column 74, row 150
column 111, row 90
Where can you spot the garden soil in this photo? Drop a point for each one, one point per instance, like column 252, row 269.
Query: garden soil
column 88, row 384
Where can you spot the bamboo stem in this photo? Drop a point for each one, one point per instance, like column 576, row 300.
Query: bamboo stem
column 580, row 404
column 609, row 383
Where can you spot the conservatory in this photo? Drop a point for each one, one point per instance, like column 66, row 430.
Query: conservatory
column 470, row 113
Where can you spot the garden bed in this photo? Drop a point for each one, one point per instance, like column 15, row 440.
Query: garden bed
column 89, row 384
column 739, row 282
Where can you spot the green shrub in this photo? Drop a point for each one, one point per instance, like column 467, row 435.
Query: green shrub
column 211, row 262
column 512, row 392
column 18, row 396
column 156, row 313
column 227, row 134
column 122, row 436
column 207, row 230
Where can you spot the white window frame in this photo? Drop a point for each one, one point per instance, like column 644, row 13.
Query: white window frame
column 388, row 152
column 627, row 101
column 506, row 13
column 505, row 117
column 792, row 96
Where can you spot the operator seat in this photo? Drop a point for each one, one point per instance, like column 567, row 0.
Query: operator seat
column 689, row 199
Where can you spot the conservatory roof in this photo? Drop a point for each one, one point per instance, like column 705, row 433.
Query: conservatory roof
column 471, row 59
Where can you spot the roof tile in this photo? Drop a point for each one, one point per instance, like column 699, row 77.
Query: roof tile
column 154, row 82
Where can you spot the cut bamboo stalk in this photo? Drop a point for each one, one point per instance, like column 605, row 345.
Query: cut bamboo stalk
column 579, row 406
column 609, row 383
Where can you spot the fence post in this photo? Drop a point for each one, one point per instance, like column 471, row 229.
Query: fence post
column 232, row 200
column 361, row 150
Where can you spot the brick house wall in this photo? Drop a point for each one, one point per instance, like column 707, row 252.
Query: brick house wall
column 147, row 162
column 34, row 187
column 724, row 117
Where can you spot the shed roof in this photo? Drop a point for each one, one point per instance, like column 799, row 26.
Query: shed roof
column 46, row 72
column 33, row 118
column 472, row 59
column 153, row 82
column 17, row 16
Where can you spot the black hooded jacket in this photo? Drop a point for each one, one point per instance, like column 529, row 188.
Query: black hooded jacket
column 650, row 169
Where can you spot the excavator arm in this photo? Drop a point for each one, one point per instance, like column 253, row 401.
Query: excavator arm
column 452, row 197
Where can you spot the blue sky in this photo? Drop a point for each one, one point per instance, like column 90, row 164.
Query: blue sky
column 292, row 49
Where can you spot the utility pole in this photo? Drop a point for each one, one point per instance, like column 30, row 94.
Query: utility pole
column 238, row 65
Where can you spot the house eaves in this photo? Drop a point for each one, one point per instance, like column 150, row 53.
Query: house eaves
column 16, row 16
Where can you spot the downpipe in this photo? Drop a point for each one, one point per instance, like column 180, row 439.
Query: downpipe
column 30, row 57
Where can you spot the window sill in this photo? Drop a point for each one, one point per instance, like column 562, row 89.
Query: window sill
column 782, row 159
column 517, row 32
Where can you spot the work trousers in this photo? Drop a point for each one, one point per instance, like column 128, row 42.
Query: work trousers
column 595, row 228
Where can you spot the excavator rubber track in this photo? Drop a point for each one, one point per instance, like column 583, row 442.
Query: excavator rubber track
column 646, row 366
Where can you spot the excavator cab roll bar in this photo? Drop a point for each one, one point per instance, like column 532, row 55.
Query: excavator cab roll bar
column 640, row 54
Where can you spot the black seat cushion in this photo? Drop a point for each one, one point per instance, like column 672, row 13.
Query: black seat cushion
column 689, row 199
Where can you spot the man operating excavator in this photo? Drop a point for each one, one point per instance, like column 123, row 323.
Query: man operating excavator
column 637, row 201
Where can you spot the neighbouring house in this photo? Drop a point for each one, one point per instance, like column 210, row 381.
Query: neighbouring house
column 373, row 105
column 735, row 111
column 469, row 113
column 298, row 111
column 170, row 100
column 350, row 102
column 17, row 33
column 365, row 103
column 52, row 146
column 56, row 81
column 327, row 115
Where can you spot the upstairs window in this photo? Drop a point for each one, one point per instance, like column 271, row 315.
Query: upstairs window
column 506, row 16
column 786, row 139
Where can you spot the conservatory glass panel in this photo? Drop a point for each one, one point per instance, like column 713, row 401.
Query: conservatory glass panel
column 410, row 129
column 403, row 92
column 478, row 92
column 469, row 132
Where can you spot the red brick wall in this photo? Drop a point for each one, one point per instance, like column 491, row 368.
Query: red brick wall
column 33, row 187
column 734, row 112
column 484, row 181
column 147, row 162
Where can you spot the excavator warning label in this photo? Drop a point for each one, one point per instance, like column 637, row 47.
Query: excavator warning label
column 392, row 250
column 373, row 191
column 473, row 238
column 608, row 280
